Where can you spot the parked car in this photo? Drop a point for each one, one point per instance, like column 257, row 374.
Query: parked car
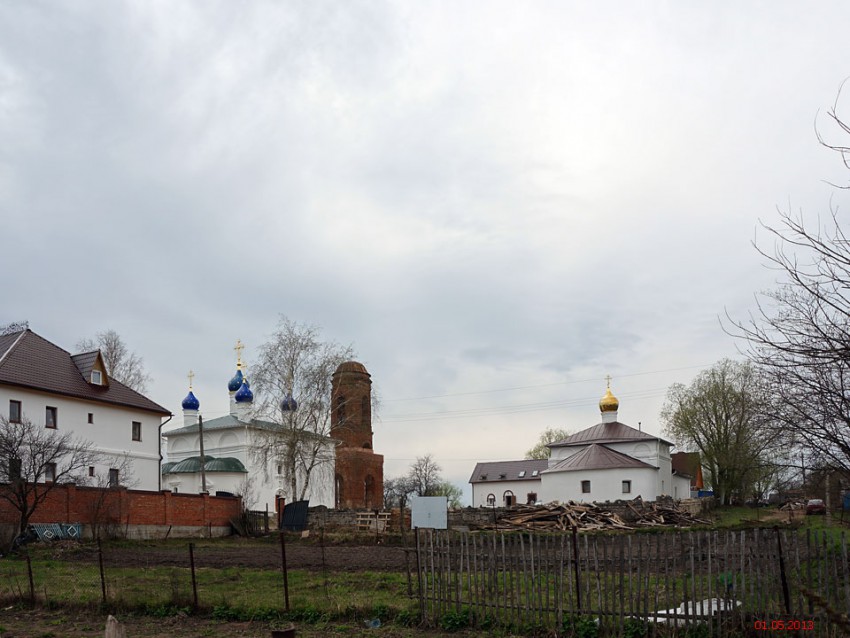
column 815, row 506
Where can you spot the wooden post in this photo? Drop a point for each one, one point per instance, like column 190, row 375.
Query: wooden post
column 576, row 569
column 283, row 569
column 419, row 576
column 32, row 582
column 102, row 577
column 194, row 582
column 786, row 595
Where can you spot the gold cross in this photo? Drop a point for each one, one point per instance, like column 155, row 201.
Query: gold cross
column 608, row 379
column 191, row 376
column 239, row 347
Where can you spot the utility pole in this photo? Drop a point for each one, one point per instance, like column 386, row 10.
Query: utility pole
column 203, row 458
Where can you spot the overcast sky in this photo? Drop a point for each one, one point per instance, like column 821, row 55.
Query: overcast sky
column 496, row 203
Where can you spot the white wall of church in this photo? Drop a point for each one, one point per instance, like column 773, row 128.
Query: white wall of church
column 561, row 453
column 111, row 432
column 520, row 490
column 261, row 486
column 605, row 485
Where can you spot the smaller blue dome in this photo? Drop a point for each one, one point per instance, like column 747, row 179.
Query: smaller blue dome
column 191, row 402
column 236, row 382
column 288, row 404
column 244, row 395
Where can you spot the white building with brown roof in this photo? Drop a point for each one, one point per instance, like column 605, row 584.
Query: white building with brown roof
column 611, row 461
column 42, row 383
column 608, row 461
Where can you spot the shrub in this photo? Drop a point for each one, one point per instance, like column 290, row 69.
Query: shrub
column 455, row 620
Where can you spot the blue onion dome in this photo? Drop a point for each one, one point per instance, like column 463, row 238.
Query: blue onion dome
column 191, row 402
column 288, row 404
column 236, row 382
column 244, row 395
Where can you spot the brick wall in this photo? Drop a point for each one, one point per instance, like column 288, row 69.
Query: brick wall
column 96, row 506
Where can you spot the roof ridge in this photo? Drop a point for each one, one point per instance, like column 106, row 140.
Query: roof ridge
column 13, row 346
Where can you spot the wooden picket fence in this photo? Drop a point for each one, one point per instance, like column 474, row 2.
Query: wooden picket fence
column 659, row 583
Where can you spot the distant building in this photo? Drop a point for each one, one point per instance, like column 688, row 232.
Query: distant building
column 688, row 464
column 52, row 388
column 230, row 467
column 605, row 462
column 507, row 483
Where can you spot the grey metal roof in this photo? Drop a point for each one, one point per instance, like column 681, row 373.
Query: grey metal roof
column 598, row 457
column 30, row 361
column 493, row 471
column 607, row 433
column 223, row 423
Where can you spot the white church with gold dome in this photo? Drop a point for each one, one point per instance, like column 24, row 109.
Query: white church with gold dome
column 608, row 461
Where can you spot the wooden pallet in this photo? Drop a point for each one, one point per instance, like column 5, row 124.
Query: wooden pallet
column 368, row 522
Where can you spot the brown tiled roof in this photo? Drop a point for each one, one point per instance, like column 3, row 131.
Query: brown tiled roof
column 492, row 471
column 598, row 457
column 31, row 361
column 607, row 433
column 85, row 362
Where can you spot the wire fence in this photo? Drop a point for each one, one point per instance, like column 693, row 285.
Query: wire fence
column 175, row 575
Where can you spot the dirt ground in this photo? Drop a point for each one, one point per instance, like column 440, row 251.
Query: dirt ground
column 27, row 623
column 251, row 554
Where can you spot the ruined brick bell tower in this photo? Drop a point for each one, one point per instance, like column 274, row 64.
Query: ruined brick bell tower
column 359, row 472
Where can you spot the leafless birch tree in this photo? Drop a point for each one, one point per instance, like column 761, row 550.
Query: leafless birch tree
column 295, row 362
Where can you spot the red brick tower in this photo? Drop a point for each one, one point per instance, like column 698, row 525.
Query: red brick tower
column 359, row 480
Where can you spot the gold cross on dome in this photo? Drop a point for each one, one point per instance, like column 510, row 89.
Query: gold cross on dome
column 239, row 348
column 191, row 376
column 608, row 379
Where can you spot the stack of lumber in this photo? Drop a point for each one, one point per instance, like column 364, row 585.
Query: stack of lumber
column 588, row 516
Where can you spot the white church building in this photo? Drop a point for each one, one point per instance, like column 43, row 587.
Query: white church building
column 608, row 461
column 230, row 464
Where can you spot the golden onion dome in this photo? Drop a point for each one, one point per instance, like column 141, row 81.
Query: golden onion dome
column 609, row 402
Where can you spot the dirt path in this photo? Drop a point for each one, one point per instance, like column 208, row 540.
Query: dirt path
column 26, row 623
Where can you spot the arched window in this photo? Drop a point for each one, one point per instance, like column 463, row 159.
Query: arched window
column 491, row 499
column 508, row 498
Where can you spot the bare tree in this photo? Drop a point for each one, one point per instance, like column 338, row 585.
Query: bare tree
column 397, row 491
column 541, row 449
column 799, row 333
column 104, row 508
column 295, row 362
column 725, row 414
column 425, row 475
column 34, row 460
column 121, row 364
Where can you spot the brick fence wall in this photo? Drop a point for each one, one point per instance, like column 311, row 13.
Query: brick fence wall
column 135, row 510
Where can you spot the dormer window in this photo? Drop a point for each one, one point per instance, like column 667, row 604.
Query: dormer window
column 483, row 477
column 522, row 474
column 502, row 476
column 96, row 377
column 535, row 473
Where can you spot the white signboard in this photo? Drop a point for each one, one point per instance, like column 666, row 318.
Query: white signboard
column 429, row 511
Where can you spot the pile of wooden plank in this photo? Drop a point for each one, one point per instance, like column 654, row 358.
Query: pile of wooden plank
column 589, row 516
